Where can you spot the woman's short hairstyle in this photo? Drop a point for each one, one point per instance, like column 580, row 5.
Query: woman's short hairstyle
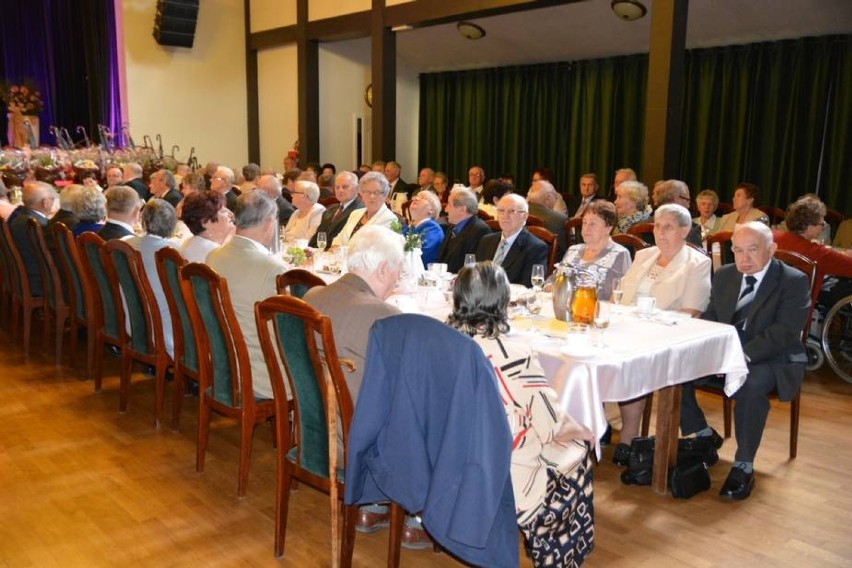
column 750, row 189
column 371, row 246
column 480, row 300
column 679, row 212
column 310, row 189
column 194, row 181
column 199, row 208
column 376, row 177
column 68, row 195
column 493, row 190
column 635, row 191
column 804, row 212
column 89, row 204
column 708, row 194
column 443, row 176
column 158, row 218
column 603, row 209
column 251, row 171
column 433, row 200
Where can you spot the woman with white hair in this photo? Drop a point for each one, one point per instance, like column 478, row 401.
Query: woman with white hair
column 373, row 189
column 89, row 206
column 631, row 197
column 424, row 210
column 304, row 221
column 677, row 276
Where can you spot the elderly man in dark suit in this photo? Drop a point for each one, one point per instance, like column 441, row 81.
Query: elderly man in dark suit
column 163, row 186
column 334, row 218
column 133, row 178
column 465, row 231
column 37, row 200
column 123, row 206
column 270, row 185
column 541, row 198
column 768, row 302
column 513, row 248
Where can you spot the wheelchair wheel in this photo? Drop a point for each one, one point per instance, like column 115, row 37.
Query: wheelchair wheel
column 815, row 355
column 837, row 338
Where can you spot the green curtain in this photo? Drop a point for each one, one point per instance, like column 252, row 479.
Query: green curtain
column 776, row 114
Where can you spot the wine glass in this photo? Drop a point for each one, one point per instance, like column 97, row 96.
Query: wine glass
column 469, row 259
column 601, row 321
column 322, row 240
column 617, row 291
column 537, row 278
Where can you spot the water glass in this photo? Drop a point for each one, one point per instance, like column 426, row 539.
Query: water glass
column 646, row 305
column 537, row 278
column 322, row 240
column 601, row 321
column 469, row 259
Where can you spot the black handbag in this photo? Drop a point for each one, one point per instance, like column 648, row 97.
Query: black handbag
column 688, row 478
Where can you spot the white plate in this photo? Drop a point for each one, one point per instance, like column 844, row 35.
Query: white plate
column 587, row 353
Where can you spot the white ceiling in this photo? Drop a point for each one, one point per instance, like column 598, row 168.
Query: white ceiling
column 588, row 30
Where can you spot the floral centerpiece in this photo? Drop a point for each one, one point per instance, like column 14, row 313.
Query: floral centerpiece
column 13, row 167
column 413, row 240
column 297, row 256
column 25, row 99
column 46, row 164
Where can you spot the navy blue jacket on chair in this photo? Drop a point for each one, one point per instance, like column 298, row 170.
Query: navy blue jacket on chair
column 430, row 433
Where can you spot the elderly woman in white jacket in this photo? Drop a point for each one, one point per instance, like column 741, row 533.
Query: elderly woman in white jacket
column 373, row 188
column 677, row 276
column 304, row 221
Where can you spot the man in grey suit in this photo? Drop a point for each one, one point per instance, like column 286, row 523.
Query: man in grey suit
column 513, row 248
column 334, row 218
column 768, row 302
column 250, row 269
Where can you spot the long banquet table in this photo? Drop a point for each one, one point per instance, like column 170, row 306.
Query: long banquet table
column 642, row 356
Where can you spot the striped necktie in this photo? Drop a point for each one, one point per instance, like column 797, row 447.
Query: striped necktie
column 500, row 255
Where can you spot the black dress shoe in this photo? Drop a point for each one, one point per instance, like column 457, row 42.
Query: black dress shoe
column 606, row 439
column 738, row 485
column 622, row 455
column 716, row 439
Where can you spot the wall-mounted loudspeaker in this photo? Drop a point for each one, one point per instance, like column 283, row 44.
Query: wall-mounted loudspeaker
column 175, row 22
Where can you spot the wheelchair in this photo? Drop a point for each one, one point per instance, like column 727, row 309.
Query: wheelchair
column 830, row 338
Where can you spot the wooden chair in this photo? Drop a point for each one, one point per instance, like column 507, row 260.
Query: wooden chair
column 573, row 231
column 224, row 371
column 493, row 224
column 298, row 339
column 483, row 215
column 79, row 295
column 144, row 343
column 103, row 319
column 297, row 282
column 631, row 242
column 716, row 386
column 834, row 218
column 644, row 231
column 552, row 243
column 328, row 201
column 725, row 244
column 55, row 306
column 169, row 264
column 533, row 221
column 23, row 302
column 775, row 214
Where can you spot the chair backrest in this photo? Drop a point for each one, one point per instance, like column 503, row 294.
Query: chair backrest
column 550, row 240
column 297, row 282
column 775, row 214
column 644, row 231
column 51, row 283
column 79, row 293
column 296, row 337
column 809, row 268
column 631, row 242
column 483, row 215
column 834, row 218
column 223, row 363
column 105, row 315
column 493, row 224
column 127, row 277
column 724, row 208
column 574, row 231
column 533, row 221
column 698, row 248
column 169, row 264
column 328, row 201
column 18, row 284
column 725, row 244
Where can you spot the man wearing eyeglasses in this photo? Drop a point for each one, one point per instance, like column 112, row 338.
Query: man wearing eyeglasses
column 222, row 182
column 676, row 191
column 513, row 248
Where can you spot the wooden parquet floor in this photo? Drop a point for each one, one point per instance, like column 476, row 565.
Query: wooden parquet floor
column 82, row 485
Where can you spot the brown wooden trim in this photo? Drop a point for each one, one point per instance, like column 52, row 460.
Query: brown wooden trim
column 252, row 103
column 430, row 12
column 308, row 79
column 272, row 38
column 384, row 86
column 348, row 26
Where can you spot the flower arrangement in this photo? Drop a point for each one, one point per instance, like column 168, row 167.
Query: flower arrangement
column 412, row 240
column 298, row 256
column 25, row 99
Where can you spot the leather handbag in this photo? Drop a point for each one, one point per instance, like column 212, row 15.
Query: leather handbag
column 688, row 478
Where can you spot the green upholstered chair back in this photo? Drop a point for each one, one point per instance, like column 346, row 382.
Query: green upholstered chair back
column 69, row 262
column 51, row 283
column 17, row 274
column 289, row 331
column 218, row 338
column 90, row 246
column 297, row 282
column 169, row 263
column 130, row 281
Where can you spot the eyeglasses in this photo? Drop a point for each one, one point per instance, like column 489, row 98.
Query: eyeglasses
column 297, row 192
column 820, row 224
column 220, row 178
column 510, row 211
column 375, row 193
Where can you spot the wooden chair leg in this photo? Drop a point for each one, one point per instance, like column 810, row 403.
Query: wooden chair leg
column 282, row 504
column 395, row 538
column 203, row 431
column 124, row 385
column 28, row 323
column 159, row 391
column 727, row 409
column 177, row 405
column 350, row 519
column 96, row 358
column 247, row 425
column 794, row 426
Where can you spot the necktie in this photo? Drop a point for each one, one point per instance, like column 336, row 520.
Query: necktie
column 744, row 302
column 501, row 252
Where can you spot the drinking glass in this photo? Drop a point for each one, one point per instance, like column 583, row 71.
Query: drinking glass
column 322, row 240
column 533, row 303
column 601, row 321
column 469, row 259
column 537, row 277
column 617, row 291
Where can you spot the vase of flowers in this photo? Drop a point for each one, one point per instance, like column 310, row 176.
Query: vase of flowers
column 24, row 103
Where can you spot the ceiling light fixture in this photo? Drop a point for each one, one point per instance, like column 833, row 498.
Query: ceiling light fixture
column 470, row 30
column 629, row 10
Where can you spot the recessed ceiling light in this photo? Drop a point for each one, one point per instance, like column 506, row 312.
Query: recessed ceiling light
column 470, row 30
column 629, row 10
